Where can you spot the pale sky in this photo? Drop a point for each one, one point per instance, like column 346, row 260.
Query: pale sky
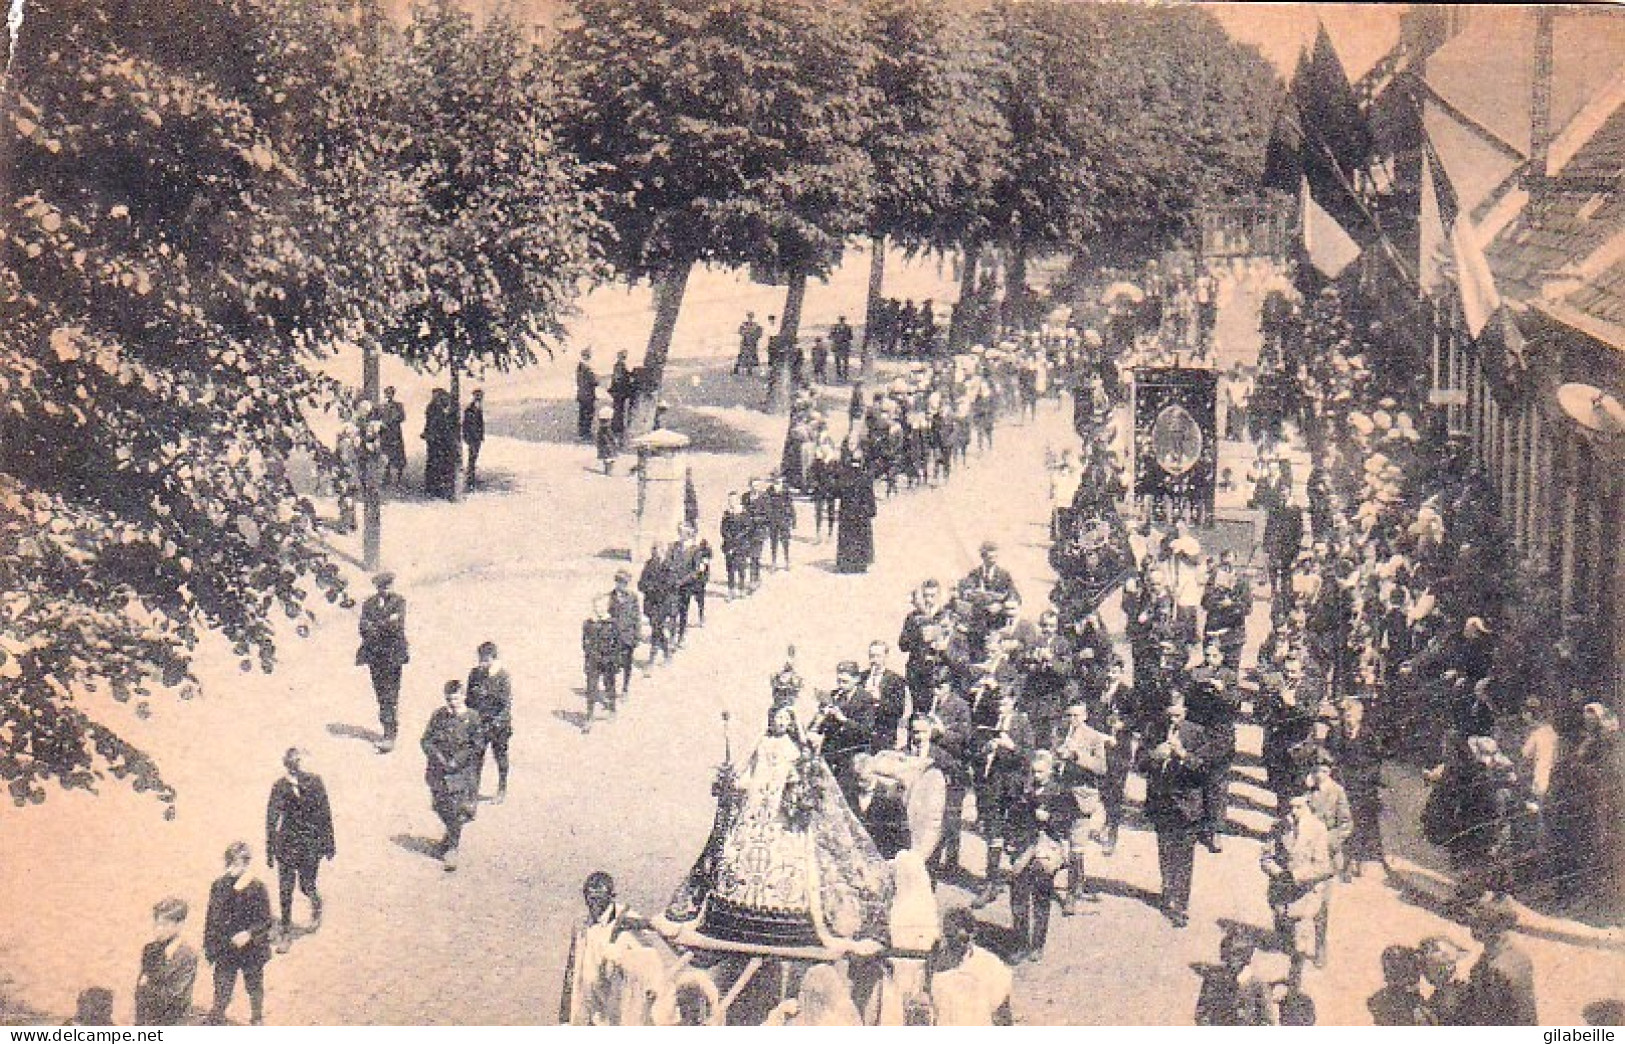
column 1362, row 33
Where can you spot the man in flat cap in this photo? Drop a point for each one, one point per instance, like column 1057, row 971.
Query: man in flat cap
column 383, row 652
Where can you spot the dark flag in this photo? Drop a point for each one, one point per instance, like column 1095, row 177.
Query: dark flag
column 1283, row 156
column 1337, row 139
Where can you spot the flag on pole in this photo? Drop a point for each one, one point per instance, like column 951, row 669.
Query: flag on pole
column 1479, row 298
column 1329, row 246
column 1337, row 140
column 1283, row 156
column 1433, row 238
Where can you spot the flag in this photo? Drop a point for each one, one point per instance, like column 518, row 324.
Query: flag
column 1433, row 238
column 1337, row 138
column 1283, row 156
column 1328, row 244
column 1479, row 299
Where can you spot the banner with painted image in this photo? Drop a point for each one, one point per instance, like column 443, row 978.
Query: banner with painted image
column 1175, row 443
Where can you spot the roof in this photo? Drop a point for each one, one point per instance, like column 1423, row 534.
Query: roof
column 1485, row 72
column 1564, row 251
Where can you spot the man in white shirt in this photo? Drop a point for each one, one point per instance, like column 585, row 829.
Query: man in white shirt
column 969, row 985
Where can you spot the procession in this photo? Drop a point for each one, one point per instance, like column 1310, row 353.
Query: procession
column 1212, row 622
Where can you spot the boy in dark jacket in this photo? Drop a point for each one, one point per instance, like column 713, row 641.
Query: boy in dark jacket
column 601, row 653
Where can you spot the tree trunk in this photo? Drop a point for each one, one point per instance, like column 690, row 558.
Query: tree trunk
column 877, row 280
column 372, row 511
column 669, row 287
column 778, row 385
column 958, row 321
column 1015, row 283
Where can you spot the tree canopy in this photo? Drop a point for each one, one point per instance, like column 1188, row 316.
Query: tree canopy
column 725, row 131
column 153, row 387
column 935, row 133
column 491, row 224
column 1124, row 120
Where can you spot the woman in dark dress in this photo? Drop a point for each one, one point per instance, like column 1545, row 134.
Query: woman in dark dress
column 1585, row 810
column 442, row 434
column 855, row 536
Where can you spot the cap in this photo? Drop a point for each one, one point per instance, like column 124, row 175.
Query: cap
column 383, row 580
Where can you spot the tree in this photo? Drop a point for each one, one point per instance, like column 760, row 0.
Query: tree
column 722, row 131
column 1125, row 120
column 934, row 136
column 490, row 226
column 154, row 389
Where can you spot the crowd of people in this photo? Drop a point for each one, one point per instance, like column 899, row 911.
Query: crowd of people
column 1385, row 636
column 1040, row 722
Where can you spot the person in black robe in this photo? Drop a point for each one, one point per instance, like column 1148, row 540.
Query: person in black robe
column 442, row 434
column 855, row 537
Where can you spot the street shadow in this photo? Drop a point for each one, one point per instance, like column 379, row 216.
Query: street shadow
column 1124, row 890
column 554, row 421
column 1260, row 937
column 1231, row 828
column 492, row 482
column 427, row 847
column 997, row 938
column 1609, row 1011
column 534, row 420
column 1250, row 803
column 574, row 719
column 343, row 730
column 709, row 433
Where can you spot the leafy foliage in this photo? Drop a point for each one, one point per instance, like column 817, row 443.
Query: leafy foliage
column 936, row 135
column 480, row 218
column 1124, row 120
column 720, row 130
column 725, row 131
column 153, row 386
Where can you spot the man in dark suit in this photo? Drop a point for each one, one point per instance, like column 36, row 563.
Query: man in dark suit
column 759, row 509
column 840, row 340
column 1283, row 539
column 237, row 934
column 586, row 395
column 1043, row 823
column 1049, row 668
column 952, row 747
column 927, row 611
column 889, row 693
column 880, row 806
column 1004, row 748
column 474, row 434
column 1111, row 712
column 627, row 613
column 846, row 723
column 622, row 387
column 1213, row 702
column 490, row 695
column 383, row 652
column 987, row 589
column 1175, row 772
column 298, row 836
column 1227, row 601
column 451, row 749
